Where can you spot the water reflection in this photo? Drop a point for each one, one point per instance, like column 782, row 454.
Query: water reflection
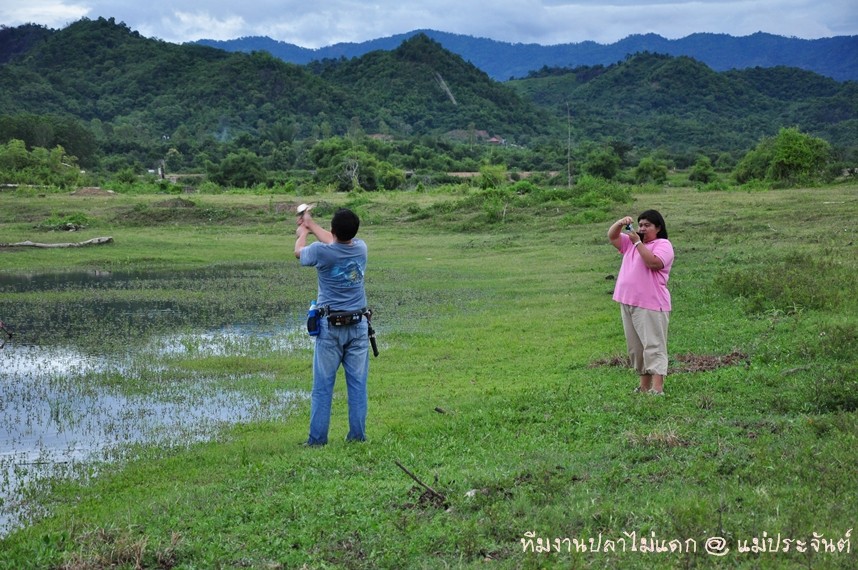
column 66, row 406
column 54, row 417
column 233, row 339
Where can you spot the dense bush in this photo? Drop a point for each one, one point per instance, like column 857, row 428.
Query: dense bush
column 604, row 163
column 788, row 285
column 790, row 158
column 650, row 169
column 242, row 169
column 40, row 167
column 703, row 171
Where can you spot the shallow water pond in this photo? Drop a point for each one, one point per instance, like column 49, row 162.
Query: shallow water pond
column 91, row 370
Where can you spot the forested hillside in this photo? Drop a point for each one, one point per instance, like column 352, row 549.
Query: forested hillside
column 678, row 103
column 132, row 91
column 114, row 99
column 420, row 87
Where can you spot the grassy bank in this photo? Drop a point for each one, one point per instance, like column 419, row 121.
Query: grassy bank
column 498, row 387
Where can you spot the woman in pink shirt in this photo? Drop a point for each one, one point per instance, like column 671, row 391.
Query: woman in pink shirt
column 642, row 292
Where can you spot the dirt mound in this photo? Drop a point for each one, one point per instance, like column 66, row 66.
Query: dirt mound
column 686, row 362
column 92, row 191
column 175, row 203
column 704, row 362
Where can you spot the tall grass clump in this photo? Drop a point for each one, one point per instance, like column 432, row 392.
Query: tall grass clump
column 590, row 199
column 65, row 222
column 836, row 389
column 788, row 284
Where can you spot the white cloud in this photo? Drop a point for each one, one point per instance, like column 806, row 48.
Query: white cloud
column 50, row 13
column 318, row 23
column 179, row 26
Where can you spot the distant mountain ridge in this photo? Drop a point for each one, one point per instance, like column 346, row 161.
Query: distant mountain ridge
column 835, row 57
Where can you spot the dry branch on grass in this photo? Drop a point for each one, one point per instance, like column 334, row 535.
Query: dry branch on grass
column 93, row 241
column 435, row 494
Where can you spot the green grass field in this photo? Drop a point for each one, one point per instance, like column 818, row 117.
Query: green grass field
column 500, row 386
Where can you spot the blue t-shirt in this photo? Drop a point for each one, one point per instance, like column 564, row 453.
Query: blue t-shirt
column 341, row 270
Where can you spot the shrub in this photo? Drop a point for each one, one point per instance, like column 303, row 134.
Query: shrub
column 839, row 342
column 492, row 176
column 790, row 158
column 241, row 169
column 788, row 285
column 714, row 186
column 39, row 167
column 650, row 170
column 649, row 188
column 64, row 222
column 798, row 157
column 604, row 163
column 702, row 171
column 611, row 191
column 524, row 187
column 836, row 390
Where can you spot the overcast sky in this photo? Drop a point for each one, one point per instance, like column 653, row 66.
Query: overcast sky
column 318, row 23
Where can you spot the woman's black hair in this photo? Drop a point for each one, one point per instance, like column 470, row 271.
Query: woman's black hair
column 657, row 220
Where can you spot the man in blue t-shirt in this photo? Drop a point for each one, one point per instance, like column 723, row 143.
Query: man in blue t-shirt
column 340, row 262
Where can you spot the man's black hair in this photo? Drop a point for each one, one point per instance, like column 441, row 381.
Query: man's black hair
column 345, row 224
column 657, row 220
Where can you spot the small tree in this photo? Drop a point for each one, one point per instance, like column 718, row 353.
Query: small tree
column 604, row 163
column 790, row 158
column 173, row 160
column 14, row 156
column 703, row 171
column 492, row 176
column 798, row 157
column 650, row 170
column 242, row 169
column 40, row 166
column 725, row 162
column 755, row 163
column 391, row 178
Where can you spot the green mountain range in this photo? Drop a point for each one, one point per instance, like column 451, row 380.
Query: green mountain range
column 835, row 57
column 138, row 97
column 670, row 102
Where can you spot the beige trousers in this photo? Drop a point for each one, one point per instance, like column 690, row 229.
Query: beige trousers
column 646, row 339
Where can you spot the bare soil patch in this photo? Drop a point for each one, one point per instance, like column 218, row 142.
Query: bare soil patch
column 689, row 362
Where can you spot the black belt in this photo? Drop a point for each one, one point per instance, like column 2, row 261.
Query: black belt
column 343, row 318
column 325, row 311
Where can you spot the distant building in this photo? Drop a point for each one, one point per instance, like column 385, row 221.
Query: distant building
column 466, row 135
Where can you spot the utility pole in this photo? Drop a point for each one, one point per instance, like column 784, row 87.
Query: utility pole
column 568, row 147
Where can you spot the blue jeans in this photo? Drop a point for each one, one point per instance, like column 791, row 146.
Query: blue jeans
column 349, row 346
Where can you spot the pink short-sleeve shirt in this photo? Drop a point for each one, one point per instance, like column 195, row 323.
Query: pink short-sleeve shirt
column 637, row 284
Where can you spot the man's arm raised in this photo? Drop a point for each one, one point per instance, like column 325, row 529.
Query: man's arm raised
column 301, row 241
column 321, row 233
